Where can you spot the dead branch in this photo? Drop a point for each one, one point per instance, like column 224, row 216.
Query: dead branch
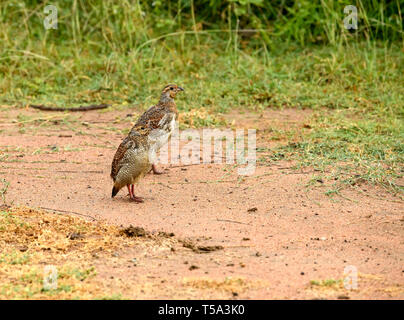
column 232, row 221
column 79, row 171
column 71, row 212
column 72, row 109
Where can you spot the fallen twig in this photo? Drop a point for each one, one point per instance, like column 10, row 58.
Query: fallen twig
column 78, row 171
column 72, row 109
column 233, row 221
column 186, row 165
column 3, row 190
column 72, row 212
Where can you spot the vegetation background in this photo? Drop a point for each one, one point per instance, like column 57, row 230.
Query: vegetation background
column 232, row 54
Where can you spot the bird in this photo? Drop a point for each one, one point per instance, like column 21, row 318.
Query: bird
column 151, row 118
column 136, row 154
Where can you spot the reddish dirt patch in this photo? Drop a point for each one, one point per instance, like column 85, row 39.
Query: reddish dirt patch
column 277, row 235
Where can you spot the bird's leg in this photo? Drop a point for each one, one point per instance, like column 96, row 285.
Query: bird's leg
column 155, row 170
column 132, row 195
column 129, row 190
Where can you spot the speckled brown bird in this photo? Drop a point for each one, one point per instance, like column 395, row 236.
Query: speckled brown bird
column 136, row 154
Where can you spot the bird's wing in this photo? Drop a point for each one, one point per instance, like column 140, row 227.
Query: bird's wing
column 136, row 139
column 151, row 118
column 125, row 145
column 166, row 121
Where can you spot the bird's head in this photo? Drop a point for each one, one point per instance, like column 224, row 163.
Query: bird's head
column 170, row 91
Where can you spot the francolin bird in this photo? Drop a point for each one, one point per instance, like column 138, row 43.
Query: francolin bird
column 135, row 155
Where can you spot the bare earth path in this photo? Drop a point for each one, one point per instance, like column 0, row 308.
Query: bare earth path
column 278, row 235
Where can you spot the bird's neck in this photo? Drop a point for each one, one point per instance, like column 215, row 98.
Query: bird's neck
column 165, row 98
column 167, row 102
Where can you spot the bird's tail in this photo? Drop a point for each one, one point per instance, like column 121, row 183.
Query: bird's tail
column 114, row 191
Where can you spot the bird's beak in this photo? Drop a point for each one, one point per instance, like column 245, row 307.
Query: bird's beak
column 181, row 89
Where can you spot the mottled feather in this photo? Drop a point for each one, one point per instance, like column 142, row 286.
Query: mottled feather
column 135, row 155
column 152, row 117
column 133, row 140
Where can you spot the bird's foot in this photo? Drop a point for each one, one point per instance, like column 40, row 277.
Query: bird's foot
column 137, row 199
column 132, row 196
column 155, row 170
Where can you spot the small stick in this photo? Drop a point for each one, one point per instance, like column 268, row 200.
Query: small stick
column 187, row 165
column 73, row 109
column 79, row 214
column 204, row 181
column 76, row 171
column 240, row 246
column 233, row 221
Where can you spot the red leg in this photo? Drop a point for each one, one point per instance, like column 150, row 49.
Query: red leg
column 132, row 195
column 129, row 190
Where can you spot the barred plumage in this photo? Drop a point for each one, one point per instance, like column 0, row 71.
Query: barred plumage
column 134, row 156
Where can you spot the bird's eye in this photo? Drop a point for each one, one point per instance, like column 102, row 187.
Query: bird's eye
column 171, row 88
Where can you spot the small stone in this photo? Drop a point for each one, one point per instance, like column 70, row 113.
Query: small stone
column 75, row 236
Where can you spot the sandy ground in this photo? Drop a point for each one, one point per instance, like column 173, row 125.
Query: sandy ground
column 278, row 235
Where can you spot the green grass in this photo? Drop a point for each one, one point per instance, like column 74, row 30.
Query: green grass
column 349, row 148
column 14, row 258
column 115, row 55
column 326, row 283
column 117, row 296
column 4, row 187
column 30, row 284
